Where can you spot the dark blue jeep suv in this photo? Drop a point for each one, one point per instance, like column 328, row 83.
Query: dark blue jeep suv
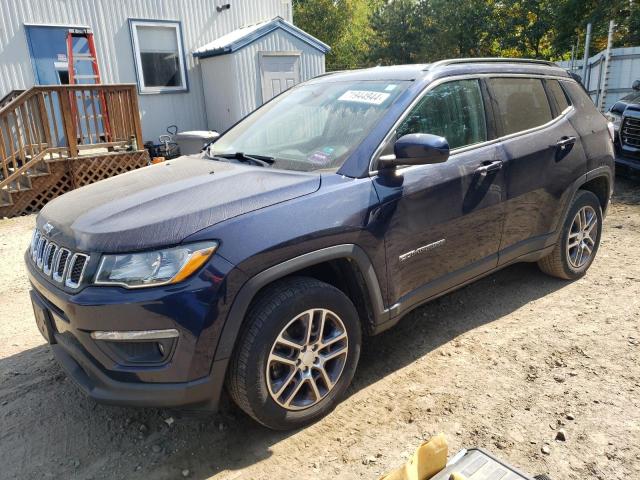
column 322, row 217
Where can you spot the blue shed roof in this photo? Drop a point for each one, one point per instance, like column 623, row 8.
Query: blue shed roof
column 242, row 37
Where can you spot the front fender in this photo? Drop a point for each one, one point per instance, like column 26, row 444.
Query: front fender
column 249, row 290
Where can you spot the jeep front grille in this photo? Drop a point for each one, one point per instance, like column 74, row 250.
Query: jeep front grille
column 630, row 132
column 62, row 265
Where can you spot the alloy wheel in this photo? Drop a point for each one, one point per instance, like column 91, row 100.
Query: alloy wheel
column 582, row 237
column 307, row 359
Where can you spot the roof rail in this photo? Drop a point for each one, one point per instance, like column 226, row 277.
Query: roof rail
column 453, row 61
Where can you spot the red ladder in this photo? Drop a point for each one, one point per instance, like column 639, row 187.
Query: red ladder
column 87, row 57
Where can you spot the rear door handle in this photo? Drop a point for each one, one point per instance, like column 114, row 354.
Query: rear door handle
column 564, row 142
column 487, row 167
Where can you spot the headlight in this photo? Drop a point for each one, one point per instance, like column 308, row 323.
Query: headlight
column 153, row 268
column 615, row 119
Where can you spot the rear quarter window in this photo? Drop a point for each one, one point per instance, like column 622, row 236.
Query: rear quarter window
column 558, row 96
column 519, row 103
column 581, row 101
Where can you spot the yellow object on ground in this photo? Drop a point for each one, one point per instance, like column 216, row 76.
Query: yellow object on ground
column 456, row 476
column 428, row 459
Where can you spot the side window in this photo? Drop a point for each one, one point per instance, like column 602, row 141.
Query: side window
column 520, row 103
column 453, row 110
column 581, row 101
column 557, row 95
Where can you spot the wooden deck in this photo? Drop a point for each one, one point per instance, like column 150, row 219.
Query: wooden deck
column 57, row 138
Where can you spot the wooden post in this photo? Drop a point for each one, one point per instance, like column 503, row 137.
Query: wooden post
column 44, row 119
column 26, row 126
column 10, row 143
column 68, row 122
column 3, row 155
column 136, row 116
column 54, row 120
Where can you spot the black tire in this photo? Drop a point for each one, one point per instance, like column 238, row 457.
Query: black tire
column 542, row 477
column 268, row 315
column 557, row 263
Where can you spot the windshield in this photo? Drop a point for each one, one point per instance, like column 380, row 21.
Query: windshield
column 312, row 126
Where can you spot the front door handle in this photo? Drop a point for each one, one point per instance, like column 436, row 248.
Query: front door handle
column 487, row 167
column 564, row 142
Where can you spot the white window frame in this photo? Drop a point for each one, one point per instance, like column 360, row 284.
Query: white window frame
column 177, row 27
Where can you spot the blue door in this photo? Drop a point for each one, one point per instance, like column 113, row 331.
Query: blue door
column 48, row 50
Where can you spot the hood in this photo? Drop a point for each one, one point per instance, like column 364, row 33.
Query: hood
column 163, row 204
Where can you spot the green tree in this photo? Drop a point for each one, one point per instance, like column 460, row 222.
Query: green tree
column 462, row 28
column 398, row 33
column 526, row 27
column 344, row 25
column 572, row 17
column 364, row 32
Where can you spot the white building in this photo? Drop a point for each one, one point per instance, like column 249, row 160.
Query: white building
column 198, row 64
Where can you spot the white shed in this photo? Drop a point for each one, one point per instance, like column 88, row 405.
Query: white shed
column 247, row 67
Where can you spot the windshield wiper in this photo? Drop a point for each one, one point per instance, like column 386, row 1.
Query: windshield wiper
column 261, row 160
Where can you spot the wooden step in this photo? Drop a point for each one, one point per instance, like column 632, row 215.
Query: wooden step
column 39, row 169
column 35, row 173
column 20, row 184
column 5, row 198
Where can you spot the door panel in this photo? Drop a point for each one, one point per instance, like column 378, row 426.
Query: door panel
column 538, row 177
column 443, row 220
column 540, row 166
column 279, row 72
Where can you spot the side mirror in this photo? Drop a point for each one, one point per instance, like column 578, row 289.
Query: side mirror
column 416, row 149
column 636, row 85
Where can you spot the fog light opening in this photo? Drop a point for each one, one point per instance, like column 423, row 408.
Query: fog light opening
column 161, row 349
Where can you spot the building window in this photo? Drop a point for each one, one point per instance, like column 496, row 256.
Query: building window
column 159, row 56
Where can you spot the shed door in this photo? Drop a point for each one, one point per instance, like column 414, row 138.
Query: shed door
column 279, row 72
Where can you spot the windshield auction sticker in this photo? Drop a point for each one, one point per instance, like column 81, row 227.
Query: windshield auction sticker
column 363, row 96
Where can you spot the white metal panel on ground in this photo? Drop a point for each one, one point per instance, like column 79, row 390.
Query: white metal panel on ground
column 623, row 71
column 108, row 19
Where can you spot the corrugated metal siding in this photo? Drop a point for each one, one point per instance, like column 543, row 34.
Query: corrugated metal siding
column 624, row 70
column 248, row 68
column 108, row 19
column 221, row 97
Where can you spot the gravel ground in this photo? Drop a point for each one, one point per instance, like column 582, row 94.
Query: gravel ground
column 504, row 364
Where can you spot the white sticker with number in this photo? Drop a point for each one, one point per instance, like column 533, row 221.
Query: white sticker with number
column 363, row 96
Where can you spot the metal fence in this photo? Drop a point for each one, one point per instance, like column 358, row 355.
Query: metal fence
column 608, row 87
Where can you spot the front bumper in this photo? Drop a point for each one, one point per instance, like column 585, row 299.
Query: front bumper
column 185, row 375
column 628, row 160
column 102, row 388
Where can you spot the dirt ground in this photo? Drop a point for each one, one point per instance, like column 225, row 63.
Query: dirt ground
column 501, row 364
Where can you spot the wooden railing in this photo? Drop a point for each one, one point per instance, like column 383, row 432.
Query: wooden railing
column 9, row 97
column 58, row 121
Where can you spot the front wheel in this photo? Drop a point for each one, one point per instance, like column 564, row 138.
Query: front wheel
column 297, row 354
column 579, row 239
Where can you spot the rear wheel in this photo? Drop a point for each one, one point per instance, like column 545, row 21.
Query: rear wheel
column 297, row 355
column 579, row 239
